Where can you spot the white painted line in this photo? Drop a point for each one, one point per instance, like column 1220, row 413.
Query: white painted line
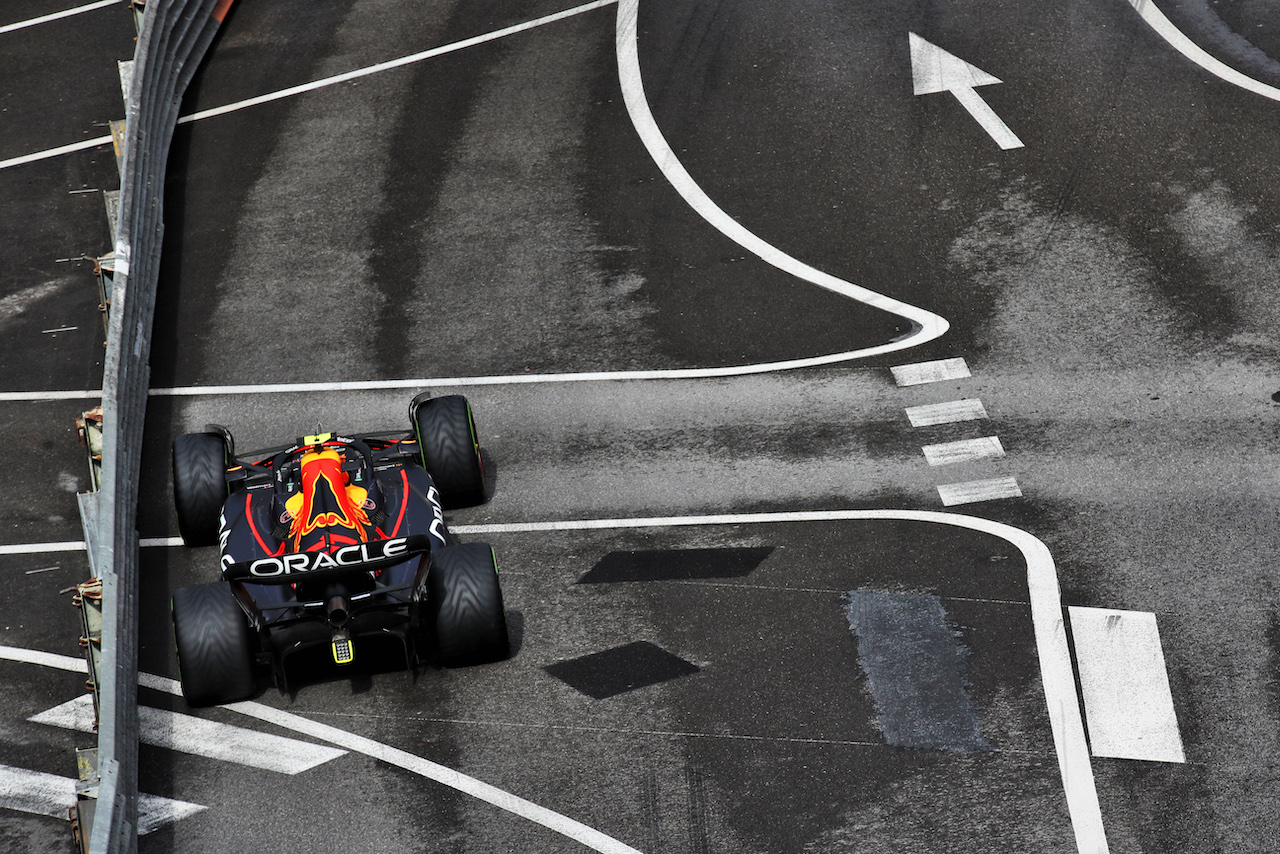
column 200, row 737
column 154, row 812
column 973, row 491
column 162, row 542
column 394, row 63
column 1165, row 28
column 931, row 414
column 42, row 548
column 66, row 13
column 39, row 793
column 319, row 84
column 1057, row 676
column 59, row 329
column 930, row 325
column 1125, row 685
column 963, row 451
column 44, row 659
column 919, row 373
column 48, row 153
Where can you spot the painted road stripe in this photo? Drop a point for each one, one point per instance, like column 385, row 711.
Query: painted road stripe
column 967, row 409
column 1057, row 675
column 963, row 451
column 200, row 737
column 917, row 670
column 41, row 548
column 48, row 794
column 396, row 63
column 320, row 84
column 1192, row 51
column 973, row 491
column 919, row 373
column 1127, row 701
column 927, row 325
column 66, row 13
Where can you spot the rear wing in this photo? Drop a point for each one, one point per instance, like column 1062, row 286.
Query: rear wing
column 292, row 567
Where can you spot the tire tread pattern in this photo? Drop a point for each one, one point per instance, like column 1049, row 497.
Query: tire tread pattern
column 467, row 618
column 215, row 645
column 199, row 486
column 446, row 435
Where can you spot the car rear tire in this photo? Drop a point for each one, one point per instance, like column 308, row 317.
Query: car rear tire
column 465, row 620
column 446, row 433
column 199, row 486
column 215, row 645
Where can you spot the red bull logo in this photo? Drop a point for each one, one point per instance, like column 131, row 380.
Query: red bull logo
column 326, row 501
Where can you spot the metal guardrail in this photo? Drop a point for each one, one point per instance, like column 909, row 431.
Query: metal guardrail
column 172, row 39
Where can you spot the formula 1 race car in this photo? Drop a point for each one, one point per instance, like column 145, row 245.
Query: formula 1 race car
column 329, row 539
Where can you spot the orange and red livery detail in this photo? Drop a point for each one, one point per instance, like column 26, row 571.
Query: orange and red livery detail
column 326, row 500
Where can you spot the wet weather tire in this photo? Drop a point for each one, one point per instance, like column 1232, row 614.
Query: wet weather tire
column 465, row 620
column 199, row 486
column 215, row 645
column 446, row 433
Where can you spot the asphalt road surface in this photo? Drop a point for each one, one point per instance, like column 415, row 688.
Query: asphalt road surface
column 705, row 670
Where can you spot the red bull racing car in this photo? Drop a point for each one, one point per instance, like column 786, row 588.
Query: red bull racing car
column 329, row 540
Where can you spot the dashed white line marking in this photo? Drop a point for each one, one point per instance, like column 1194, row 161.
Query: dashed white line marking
column 919, row 373
column 963, row 451
column 200, row 737
column 65, row 13
column 931, row 414
column 1125, row 685
column 973, row 491
column 39, row 793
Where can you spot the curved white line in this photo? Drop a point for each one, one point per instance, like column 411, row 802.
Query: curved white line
column 549, row 819
column 926, row 325
column 930, row 325
column 1147, row 10
column 1056, row 671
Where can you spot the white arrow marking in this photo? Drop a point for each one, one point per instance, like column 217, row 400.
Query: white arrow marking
column 48, row 794
column 200, row 737
column 935, row 70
